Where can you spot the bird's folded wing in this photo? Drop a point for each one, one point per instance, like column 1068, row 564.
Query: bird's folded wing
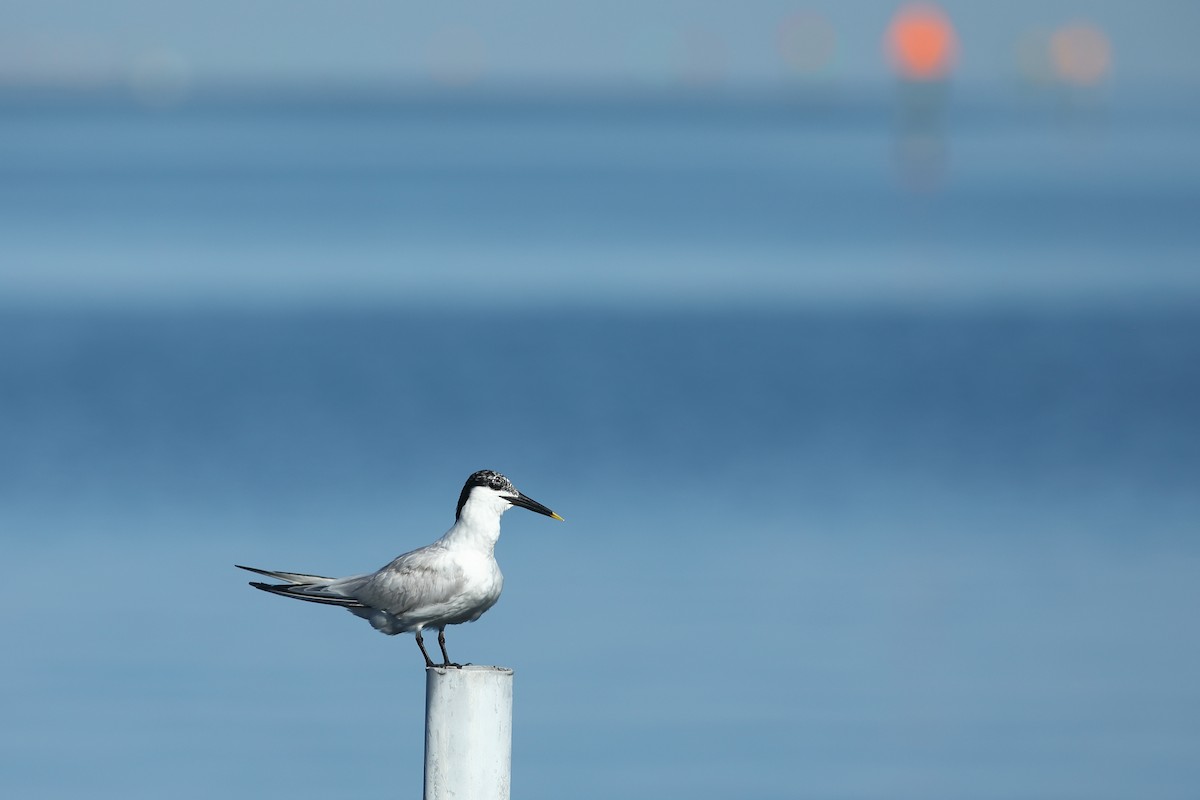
column 415, row 580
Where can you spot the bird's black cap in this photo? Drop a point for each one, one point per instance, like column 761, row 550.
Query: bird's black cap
column 485, row 477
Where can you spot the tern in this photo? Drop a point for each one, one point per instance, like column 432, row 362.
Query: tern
column 451, row 581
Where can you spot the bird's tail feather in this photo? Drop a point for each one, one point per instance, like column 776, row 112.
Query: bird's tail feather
column 311, row 588
column 312, row 594
column 290, row 577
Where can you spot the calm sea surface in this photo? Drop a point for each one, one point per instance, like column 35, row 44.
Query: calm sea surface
column 871, row 548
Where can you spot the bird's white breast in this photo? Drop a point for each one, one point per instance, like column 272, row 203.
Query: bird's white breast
column 482, row 580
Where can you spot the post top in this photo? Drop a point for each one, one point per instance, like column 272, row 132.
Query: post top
column 469, row 668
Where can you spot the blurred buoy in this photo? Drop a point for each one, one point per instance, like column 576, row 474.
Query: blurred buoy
column 921, row 42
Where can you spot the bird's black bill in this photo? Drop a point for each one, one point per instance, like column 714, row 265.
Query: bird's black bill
column 533, row 505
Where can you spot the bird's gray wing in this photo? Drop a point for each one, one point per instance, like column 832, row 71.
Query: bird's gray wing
column 426, row 577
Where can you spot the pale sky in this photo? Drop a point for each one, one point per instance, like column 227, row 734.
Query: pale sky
column 547, row 42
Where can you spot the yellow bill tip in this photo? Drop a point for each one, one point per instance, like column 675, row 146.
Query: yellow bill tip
column 557, row 517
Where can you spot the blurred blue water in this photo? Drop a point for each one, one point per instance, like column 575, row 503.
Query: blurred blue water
column 855, row 553
column 856, row 549
column 566, row 200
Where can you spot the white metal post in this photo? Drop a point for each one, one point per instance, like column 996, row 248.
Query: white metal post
column 468, row 733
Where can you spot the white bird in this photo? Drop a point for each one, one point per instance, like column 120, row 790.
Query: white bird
column 451, row 581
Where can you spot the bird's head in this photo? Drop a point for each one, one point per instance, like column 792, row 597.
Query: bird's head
column 490, row 489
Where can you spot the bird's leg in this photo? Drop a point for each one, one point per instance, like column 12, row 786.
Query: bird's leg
column 421, row 644
column 445, row 655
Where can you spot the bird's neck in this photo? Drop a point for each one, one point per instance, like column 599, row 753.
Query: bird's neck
column 475, row 530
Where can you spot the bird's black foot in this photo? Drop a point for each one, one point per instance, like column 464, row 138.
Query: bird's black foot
column 450, row 664
column 421, row 644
